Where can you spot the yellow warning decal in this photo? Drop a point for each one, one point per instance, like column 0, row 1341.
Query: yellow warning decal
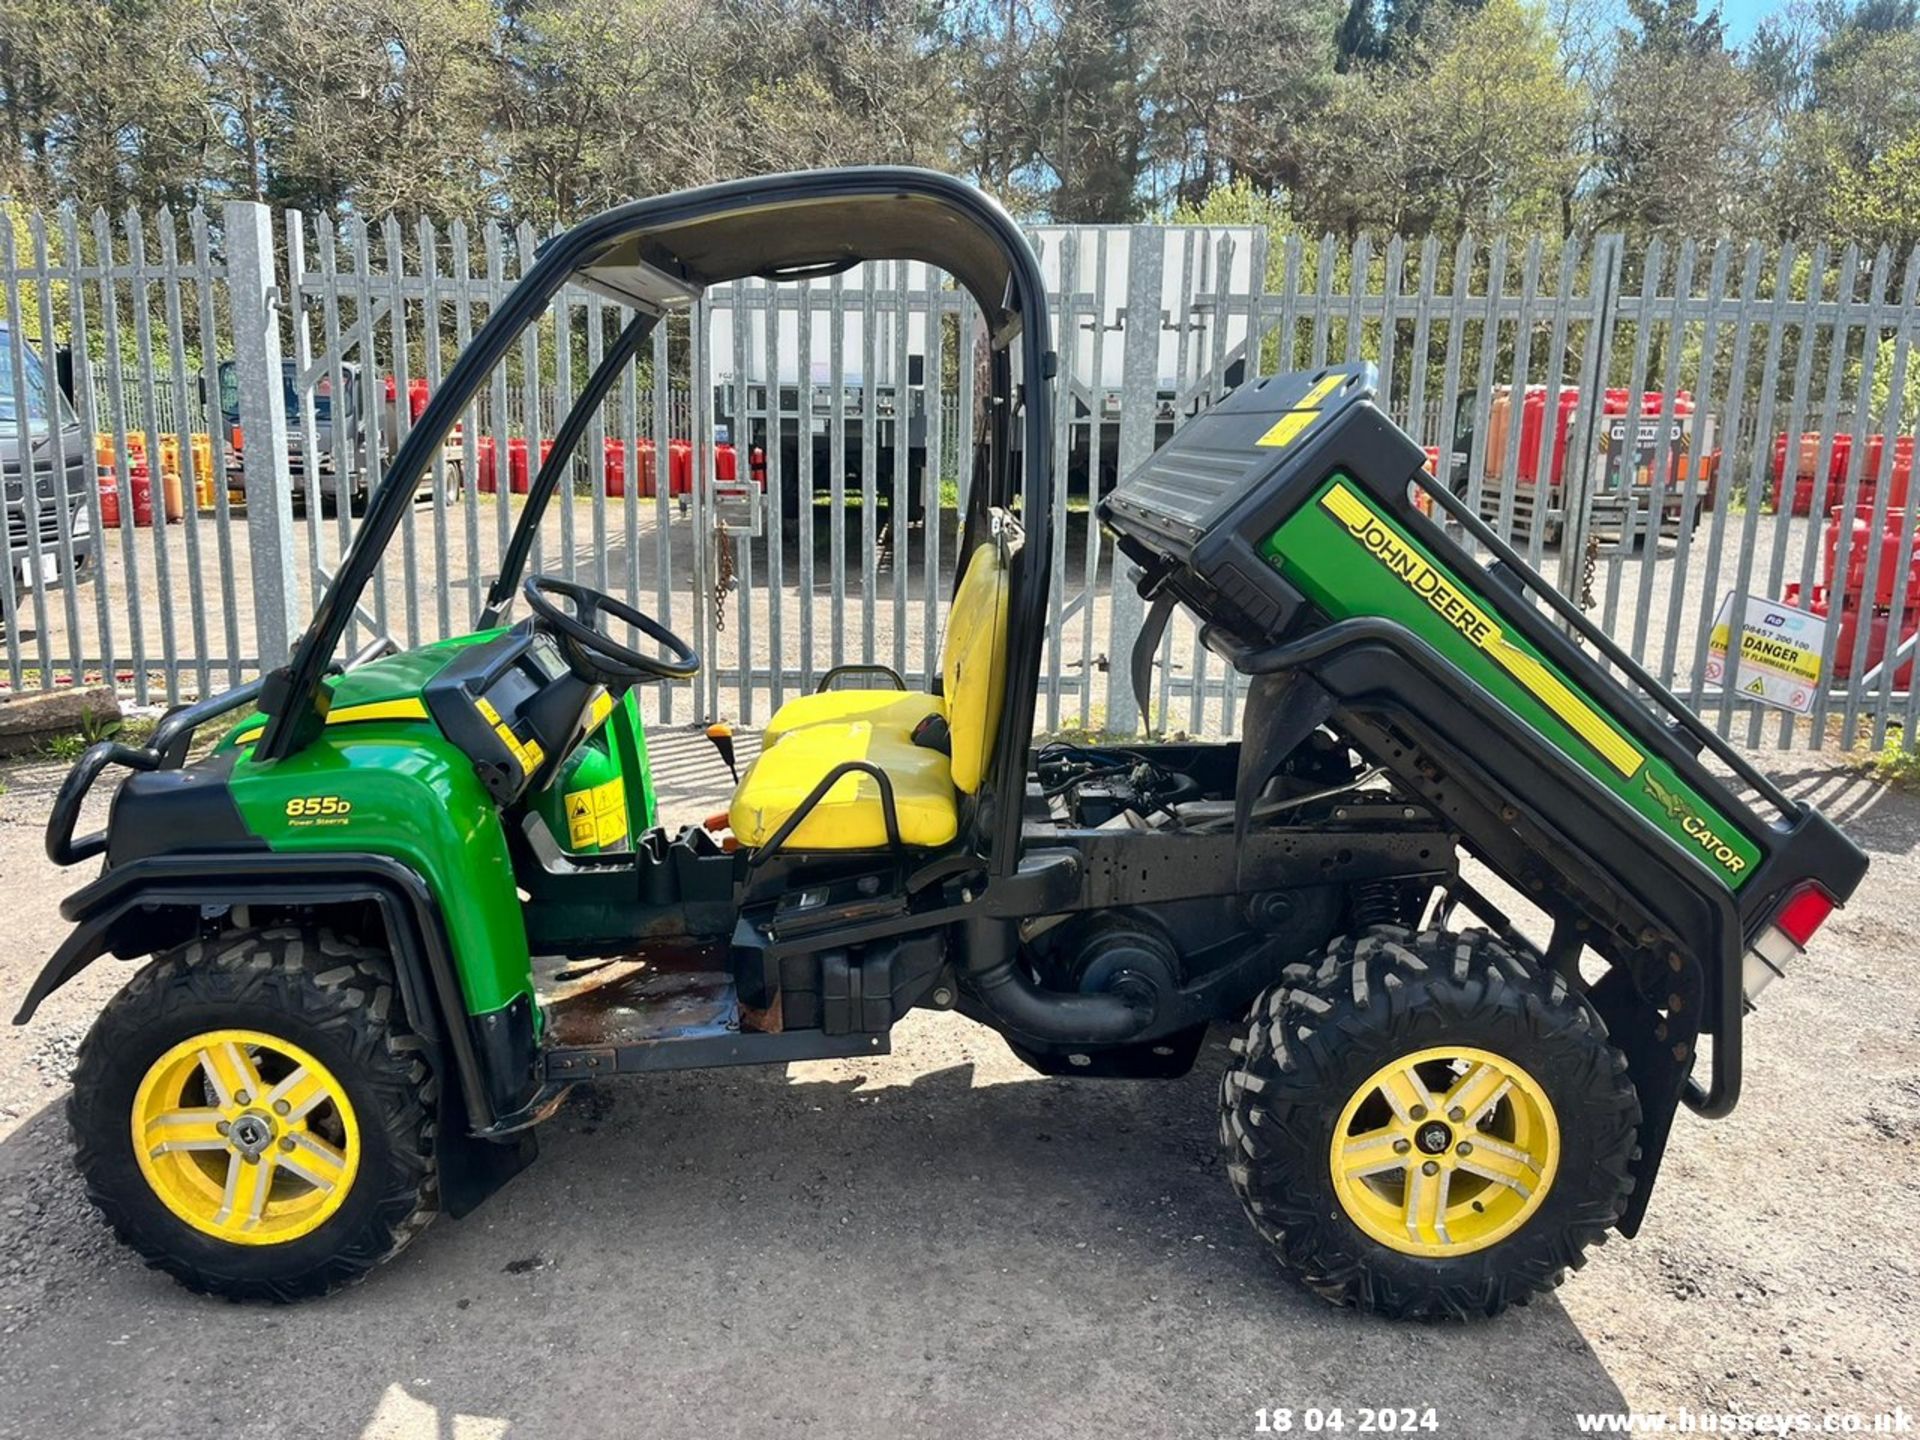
column 610, row 812
column 1288, row 428
column 487, row 712
column 1456, row 607
column 597, row 815
column 601, row 708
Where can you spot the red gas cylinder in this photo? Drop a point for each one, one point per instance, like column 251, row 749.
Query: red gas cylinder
column 726, row 464
column 141, row 484
column 679, row 467
column 757, row 466
column 1846, row 632
column 646, row 476
column 613, row 468
column 517, row 464
column 1806, row 457
column 1860, row 552
column 417, row 394
column 109, row 499
column 486, row 479
column 616, row 469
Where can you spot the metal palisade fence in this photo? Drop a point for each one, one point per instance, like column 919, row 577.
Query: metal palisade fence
column 202, row 402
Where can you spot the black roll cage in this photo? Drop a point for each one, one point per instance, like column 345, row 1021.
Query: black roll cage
column 971, row 228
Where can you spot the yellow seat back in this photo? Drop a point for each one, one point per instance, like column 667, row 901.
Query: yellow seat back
column 973, row 663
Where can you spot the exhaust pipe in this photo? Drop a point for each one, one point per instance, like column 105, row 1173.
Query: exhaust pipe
column 1124, row 1005
column 1062, row 1018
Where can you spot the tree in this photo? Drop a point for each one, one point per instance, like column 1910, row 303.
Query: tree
column 1474, row 127
column 367, row 104
column 1233, row 90
column 1693, row 167
column 105, row 102
column 1090, row 132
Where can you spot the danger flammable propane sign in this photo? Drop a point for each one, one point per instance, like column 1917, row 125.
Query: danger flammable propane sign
column 1780, row 652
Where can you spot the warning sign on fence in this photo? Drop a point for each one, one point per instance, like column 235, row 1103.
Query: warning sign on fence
column 1779, row 653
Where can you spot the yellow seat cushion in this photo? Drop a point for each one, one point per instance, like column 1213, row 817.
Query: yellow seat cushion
column 851, row 816
column 885, row 710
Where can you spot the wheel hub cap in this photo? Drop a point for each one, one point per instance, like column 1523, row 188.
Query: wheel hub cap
column 245, row 1136
column 1426, row 1185
column 1434, row 1139
column 250, row 1134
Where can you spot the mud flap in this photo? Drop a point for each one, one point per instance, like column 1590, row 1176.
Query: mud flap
column 471, row 1169
column 1633, row 1026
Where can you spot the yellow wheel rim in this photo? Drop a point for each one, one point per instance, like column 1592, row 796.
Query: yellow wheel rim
column 245, row 1137
column 1445, row 1151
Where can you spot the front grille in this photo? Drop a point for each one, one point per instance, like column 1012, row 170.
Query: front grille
column 49, row 518
column 48, row 505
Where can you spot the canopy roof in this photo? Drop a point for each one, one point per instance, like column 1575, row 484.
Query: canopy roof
column 808, row 223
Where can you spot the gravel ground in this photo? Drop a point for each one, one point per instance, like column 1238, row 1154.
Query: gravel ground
column 939, row 1242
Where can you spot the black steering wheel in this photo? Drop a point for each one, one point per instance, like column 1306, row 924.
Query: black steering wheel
column 594, row 655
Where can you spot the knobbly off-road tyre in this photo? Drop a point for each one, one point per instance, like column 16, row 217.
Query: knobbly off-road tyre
column 350, row 1177
column 1387, row 1003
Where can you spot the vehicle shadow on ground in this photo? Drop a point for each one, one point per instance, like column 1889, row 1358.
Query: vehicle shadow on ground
column 1878, row 817
column 926, row 1244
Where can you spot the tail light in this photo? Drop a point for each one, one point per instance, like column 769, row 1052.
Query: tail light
column 1784, row 939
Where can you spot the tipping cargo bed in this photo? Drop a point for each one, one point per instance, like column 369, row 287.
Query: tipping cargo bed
column 1285, row 519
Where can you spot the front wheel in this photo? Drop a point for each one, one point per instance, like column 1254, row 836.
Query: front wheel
column 1426, row 1125
column 251, row 1115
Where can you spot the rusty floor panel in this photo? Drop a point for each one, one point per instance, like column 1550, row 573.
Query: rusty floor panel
column 665, row 995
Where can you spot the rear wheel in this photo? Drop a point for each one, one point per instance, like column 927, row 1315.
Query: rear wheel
column 1428, row 1124
column 252, row 1117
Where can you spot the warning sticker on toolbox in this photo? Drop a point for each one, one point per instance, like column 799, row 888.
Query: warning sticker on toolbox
column 1780, row 650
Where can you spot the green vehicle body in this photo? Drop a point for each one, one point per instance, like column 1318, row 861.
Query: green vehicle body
column 1346, row 576
column 383, row 780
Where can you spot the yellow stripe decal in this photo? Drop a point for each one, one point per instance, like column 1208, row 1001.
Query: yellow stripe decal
column 347, row 715
column 379, row 710
column 1288, row 428
column 1453, row 605
column 1321, row 391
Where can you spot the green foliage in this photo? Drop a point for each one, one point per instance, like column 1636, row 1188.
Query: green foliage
column 1896, row 766
column 1878, row 202
column 1532, row 117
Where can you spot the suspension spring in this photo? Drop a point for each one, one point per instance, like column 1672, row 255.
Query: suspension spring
column 1375, row 902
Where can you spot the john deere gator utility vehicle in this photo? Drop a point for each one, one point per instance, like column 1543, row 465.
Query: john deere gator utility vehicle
column 411, row 899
